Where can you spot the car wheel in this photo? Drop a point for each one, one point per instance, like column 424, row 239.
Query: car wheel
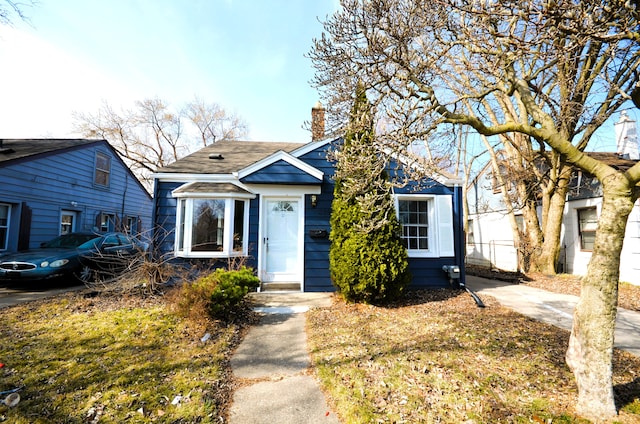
column 86, row 274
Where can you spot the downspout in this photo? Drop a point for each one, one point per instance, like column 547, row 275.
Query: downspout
column 124, row 197
column 457, row 190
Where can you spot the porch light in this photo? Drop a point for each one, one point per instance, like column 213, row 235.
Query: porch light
column 314, row 200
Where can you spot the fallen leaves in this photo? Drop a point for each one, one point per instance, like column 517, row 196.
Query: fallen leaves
column 437, row 357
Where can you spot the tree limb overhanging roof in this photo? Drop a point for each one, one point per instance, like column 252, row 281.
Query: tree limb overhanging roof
column 614, row 160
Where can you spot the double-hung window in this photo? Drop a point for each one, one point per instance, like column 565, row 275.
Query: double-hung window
column 414, row 218
column 102, row 170
column 427, row 224
column 212, row 227
column 587, row 224
column 5, row 212
column 107, row 222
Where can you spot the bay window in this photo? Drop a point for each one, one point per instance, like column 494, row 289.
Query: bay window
column 211, row 227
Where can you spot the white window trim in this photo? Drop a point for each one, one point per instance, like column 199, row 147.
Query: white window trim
column 7, row 227
column 106, row 171
column 440, row 232
column 74, row 218
column 110, row 222
column 431, row 234
column 579, row 231
column 227, row 235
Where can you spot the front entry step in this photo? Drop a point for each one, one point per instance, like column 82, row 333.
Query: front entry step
column 284, row 286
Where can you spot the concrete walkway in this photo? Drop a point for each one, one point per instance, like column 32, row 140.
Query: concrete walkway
column 273, row 365
column 554, row 308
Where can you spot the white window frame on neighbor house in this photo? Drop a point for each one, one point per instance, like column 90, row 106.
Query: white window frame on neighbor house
column 102, row 171
column 70, row 225
column 439, row 234
column 5, row 220
column 583, row 230
column 184, row 228
column 107, row 222
column 131, row 225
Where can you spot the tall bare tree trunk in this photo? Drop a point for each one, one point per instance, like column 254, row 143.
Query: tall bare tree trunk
column 549, row 252
column 591, row 344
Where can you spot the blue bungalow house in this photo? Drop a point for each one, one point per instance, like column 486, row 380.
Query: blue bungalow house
column 50, row 187
column 271, row 203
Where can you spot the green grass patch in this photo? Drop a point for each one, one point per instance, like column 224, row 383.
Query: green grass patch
column 437, row 357
column 82, row 360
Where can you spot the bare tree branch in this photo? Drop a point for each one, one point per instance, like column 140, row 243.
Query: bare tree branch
column 152, row 134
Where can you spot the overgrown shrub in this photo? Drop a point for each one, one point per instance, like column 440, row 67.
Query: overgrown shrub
column 142, row 276
column 218, row 295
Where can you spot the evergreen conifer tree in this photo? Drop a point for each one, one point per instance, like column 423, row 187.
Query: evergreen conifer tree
column 368, row 261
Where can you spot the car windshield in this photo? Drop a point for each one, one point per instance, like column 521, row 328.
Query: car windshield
column 70, row 241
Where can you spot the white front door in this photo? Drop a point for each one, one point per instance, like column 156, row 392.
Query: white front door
column 282, row 253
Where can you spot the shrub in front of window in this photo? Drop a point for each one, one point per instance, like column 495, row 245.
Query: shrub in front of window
column 370, row 267
column 229, row 293
column 219, row 294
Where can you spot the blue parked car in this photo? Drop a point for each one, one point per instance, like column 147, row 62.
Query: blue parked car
column 75, row 255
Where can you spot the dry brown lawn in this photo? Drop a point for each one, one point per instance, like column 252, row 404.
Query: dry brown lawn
column 435, row 357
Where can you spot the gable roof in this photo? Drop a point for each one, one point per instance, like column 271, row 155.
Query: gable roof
column 30, row 148
column 285, row 163
column 226, row 157
column 15, row 150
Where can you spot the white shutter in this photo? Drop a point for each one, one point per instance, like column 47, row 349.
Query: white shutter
column 445, row 225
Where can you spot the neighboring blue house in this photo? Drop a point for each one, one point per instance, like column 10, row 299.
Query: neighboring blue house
column 271, row 202
column 50, row 187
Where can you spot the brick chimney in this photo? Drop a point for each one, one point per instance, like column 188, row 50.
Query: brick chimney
column 317, row 122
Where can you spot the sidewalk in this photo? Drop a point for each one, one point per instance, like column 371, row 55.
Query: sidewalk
column 273, row 365
column 554, row 308
column 272, row 362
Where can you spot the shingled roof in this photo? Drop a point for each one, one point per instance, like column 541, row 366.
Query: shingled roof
column 226, row 157
column 614, row 160
column 15, row 149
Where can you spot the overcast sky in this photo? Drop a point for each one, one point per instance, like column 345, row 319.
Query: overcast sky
column 246, row 55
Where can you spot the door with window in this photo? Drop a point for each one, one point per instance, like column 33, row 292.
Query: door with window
column 282, row 256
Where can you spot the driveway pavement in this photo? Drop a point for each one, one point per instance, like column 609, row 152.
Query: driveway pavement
column 13, row 294
column 554, row 308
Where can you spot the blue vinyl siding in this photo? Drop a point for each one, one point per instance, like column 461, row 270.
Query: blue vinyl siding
column 254, row 221
column 316, row 250
column 49, row 184
column 280, row 172
column 427, row 272
column 165, row 217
